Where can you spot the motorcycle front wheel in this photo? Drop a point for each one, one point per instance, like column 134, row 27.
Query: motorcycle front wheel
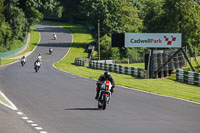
column 99, row 105
column 104, row 102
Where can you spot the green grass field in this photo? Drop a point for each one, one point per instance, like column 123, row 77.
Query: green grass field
column 165, row 86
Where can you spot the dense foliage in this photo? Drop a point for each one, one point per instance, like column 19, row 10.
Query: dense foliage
column 114, row 16
column 18, row 15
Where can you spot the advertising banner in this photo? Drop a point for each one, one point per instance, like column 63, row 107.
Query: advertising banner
column 153, row 40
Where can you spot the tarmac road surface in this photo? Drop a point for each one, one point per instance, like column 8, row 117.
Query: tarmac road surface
column 63, row 103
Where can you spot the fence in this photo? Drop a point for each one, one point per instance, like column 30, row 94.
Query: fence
column 136, row 72
column 188, row 77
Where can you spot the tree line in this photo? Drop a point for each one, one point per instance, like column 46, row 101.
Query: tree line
column 114, row 16
column 17, row 16
column 147, row 16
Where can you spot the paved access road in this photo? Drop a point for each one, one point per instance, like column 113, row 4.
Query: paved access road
column 62, row 103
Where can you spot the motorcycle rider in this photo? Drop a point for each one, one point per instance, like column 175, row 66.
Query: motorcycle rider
column 102, row 78
column 37, row 63
column 50, row 50
column 39, row 58
column 54, row 36
column 23, row 60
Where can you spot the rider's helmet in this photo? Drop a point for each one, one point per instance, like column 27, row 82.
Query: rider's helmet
column 23, row 57
column 106, row 74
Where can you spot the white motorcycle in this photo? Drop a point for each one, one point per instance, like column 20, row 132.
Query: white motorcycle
column 104, row 95
column 54, row 36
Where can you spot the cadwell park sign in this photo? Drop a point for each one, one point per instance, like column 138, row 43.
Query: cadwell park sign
column 152, row 40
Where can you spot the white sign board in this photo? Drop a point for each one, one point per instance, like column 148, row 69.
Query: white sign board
column 153, row 40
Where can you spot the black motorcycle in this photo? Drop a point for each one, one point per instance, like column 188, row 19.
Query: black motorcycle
column 50, row 51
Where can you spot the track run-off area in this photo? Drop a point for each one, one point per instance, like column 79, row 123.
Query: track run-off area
column 52, row 101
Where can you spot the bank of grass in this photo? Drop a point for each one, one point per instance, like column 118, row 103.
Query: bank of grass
column 34, row 39
column 166, row 87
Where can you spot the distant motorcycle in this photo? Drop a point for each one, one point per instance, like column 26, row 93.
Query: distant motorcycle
column 23, row 61
column 54, row 36
column 37, row 66
column 50, row 50
column 104, row 95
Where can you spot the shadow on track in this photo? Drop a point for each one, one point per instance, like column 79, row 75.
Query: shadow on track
column 82, row 109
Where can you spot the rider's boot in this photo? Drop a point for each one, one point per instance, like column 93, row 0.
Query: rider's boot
column 97, row 95
column 97, row 92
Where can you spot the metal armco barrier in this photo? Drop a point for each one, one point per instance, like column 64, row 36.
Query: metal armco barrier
column 79, row 62
column 188, row 77
column 133, row 71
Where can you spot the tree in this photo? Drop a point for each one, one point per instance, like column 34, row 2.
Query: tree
column 151, row 12
column 51, row 8
column 114, row 15
column 107, row 52
column 71, row 10
column 16, row 19
column 183, row 16
column 2, row 18
column 105, row 47
column 30, row 9
column 5, row 36
column 19, row 16
column 5, row 30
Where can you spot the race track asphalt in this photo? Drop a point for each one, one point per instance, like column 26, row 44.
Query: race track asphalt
column 63, row 103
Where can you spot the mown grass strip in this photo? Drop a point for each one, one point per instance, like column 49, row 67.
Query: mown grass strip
column 166, row 87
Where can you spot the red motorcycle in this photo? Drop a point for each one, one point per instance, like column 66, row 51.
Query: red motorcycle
column 104, row 95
